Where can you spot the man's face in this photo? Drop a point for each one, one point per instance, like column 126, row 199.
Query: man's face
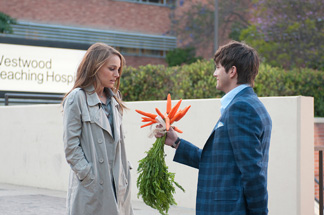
column 223, row 79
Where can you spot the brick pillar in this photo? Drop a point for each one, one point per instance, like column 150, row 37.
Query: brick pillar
column 318, row 140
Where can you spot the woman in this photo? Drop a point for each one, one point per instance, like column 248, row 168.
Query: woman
column 93, row 137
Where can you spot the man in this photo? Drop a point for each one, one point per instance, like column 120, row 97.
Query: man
column 234, row 161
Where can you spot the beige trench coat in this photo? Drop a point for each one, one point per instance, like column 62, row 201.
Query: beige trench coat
column 95, row 157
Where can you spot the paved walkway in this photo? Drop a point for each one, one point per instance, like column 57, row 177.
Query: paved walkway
column 20, row 200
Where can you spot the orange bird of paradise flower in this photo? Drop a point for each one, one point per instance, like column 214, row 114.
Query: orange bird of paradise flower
column 171, row 115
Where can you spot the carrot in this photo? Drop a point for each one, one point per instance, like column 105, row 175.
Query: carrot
column 171, row 115
column 155, row 192
column 183, row 112
column 167, row 122
column 146, row 114
column 146, row 119
column 174, row 109
column 150, row 123
column 176, row 116
column 168, row 108
column 177, row 129
column 159, row 112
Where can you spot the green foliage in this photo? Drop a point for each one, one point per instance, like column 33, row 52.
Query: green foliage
column 5, row 23
column 273, row 81
column 268, row 50
column 155, row 183
column 154, row 82
column 179, row 56
column 236, row 29
column 288, row 34
column 196, row 81
column 151, row 82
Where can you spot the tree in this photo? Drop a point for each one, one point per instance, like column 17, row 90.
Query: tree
column 5, row 23
column 179, row 56
column 288, row 33
column 195, row 26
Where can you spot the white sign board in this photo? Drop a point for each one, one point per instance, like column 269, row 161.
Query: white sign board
column 38, row 69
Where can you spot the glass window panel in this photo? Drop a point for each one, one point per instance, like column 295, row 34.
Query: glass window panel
column 163, row 2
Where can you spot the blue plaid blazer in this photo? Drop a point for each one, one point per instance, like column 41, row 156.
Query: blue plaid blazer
column 234, row 161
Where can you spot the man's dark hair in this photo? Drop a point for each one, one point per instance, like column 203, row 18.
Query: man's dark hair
column 243, row 57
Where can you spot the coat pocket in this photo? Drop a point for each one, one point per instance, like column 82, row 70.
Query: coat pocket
column 123, row 182
column 122, row 187
column 88, row 181
column 227, row 194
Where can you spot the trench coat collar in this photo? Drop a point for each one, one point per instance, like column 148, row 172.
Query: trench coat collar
column 99, row 115
column 92, row 97
column 116, row 114
column 117, row 117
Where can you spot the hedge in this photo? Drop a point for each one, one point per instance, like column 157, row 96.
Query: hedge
column 273, row 81
column 196, row 81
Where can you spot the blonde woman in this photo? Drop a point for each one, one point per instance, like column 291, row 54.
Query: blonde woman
column 93, row 137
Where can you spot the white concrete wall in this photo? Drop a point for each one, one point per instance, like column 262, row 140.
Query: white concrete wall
column 32, row 149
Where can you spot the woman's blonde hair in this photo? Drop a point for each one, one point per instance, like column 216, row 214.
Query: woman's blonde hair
column 87, row 73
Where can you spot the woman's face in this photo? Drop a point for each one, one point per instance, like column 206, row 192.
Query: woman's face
column 109, row 72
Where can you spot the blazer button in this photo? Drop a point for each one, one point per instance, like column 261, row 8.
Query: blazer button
column 100, row 141
column 101, row 160
column 101, row 182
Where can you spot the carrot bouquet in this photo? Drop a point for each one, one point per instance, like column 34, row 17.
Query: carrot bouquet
column 155, row 183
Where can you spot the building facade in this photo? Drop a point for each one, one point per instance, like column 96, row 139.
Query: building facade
column 140, row 29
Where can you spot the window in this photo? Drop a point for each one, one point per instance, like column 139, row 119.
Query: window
column 141, row 52
column 156, row 53
column 130, row 51
column 160, row 2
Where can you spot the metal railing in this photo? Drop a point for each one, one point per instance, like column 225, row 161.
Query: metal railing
column 320, row 150
column 42, row 98
column 317, row 182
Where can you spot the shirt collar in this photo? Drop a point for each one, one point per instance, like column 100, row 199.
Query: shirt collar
column 109, row 93
column 228, row 97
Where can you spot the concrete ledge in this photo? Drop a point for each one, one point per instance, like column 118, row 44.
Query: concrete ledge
column 319, row 120
column 32, row 148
